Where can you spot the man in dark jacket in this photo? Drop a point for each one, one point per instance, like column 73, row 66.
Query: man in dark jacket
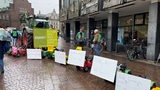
column 4, row 47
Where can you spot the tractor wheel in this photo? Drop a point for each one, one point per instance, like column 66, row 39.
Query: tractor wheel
column 28, row 40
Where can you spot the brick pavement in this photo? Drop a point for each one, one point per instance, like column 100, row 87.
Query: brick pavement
column 23, row 74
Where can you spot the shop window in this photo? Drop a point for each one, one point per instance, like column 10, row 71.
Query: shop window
column 140, row 33
column 139, row 19
column 126, row 21
column 146, row 18
column 124, row 35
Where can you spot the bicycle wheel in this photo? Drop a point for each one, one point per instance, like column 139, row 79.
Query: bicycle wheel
column 101, row 48
column 130, row 54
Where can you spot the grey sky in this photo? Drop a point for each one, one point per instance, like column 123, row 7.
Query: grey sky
column 45, row 6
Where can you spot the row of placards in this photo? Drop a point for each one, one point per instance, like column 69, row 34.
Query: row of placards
column 104, row 68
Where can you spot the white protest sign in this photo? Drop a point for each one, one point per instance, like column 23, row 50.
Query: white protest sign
column 130, row 82
column 104, row 68
column 76, row 57
column 34, row 54
column 60, row 57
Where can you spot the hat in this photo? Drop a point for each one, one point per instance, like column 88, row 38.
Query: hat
column 96, row 30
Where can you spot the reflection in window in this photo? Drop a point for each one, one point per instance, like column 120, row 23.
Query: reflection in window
column 126, row 21
column 139, row 19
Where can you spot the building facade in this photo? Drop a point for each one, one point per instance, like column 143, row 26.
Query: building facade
column 11, row 11
column 54, row 20
column 120, row 21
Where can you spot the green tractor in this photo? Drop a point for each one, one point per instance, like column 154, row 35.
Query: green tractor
column 29, row 24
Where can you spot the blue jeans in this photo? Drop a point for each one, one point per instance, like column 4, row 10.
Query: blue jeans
column 97, row 49
column 14, row 41
column 1, row 65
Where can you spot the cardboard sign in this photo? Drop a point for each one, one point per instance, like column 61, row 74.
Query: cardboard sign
column 76, row 57
column 34, row 54
column 60, row 57
column 130, row 82
column 104, row 68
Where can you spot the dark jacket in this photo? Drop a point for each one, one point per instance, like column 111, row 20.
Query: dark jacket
column 4, row 47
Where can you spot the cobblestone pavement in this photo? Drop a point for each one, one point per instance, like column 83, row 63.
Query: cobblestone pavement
column 23, row 74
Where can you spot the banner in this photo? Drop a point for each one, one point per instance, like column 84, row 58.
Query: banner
column 45, row 37
column 104, row 68
column 34, row 54
column 130, row 82
column 60, row 57
column 76, row 57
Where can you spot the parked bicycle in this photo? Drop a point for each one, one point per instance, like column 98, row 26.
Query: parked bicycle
column 134, row 52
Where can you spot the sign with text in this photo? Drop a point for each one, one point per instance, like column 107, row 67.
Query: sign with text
column 45, row 37
column 34, row 54
column 130, row 82
column 104, row 68
column 76, row 57
column 60, row 57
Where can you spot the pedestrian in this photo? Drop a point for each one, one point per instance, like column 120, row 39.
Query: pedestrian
column 4, row 47
column 14, row 35
column 80, row 37
column 96, row 41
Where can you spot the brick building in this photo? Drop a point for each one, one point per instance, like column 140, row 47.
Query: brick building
column 10, row 13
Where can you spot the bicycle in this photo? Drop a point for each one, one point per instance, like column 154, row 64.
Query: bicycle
column 135, row 51
column 102, row 45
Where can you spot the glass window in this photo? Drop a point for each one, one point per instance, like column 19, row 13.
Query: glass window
column 3, row 17
column 146, row 18
column 139, row 19
column 126, row 21
column 140, row 33
column 127, row 37
column 7, row 17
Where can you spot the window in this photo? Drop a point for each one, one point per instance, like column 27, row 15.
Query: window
column 126, row 21
column 3, row 17
column 7, row 17
column 139, row 19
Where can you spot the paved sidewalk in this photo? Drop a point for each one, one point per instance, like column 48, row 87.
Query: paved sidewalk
column 23, row 74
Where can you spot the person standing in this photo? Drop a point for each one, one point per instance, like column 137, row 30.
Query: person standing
column 80, row 37
column 14, row 36
column 96, row 41
column 4, row 47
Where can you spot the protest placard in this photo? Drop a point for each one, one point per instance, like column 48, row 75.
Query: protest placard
column 60, row 57
column 34, row 54
column 131, row 82
column 104, row 68
column 76, row 57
